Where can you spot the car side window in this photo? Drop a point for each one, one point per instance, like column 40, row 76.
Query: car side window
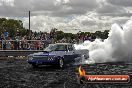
column 70, row 48
column 61, row 48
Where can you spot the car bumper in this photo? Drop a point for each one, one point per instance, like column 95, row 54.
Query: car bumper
column 43, row 62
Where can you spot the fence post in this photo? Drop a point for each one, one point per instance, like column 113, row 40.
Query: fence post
column 2, row 44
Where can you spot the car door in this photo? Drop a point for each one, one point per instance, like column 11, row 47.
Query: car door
column 70, row 54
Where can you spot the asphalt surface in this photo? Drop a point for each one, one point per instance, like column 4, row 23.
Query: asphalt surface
column 19, row 74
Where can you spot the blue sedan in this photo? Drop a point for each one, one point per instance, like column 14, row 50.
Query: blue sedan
column 57, row 54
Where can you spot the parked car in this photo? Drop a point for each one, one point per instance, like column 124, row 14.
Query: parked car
column 58, row 54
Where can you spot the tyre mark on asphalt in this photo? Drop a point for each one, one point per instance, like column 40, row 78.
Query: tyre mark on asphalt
column 20, row 74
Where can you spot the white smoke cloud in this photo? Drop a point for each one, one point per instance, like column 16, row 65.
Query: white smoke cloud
column 117, row 47
column 7, row 2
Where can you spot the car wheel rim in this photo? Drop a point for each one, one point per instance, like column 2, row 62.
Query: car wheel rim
column 61, row 63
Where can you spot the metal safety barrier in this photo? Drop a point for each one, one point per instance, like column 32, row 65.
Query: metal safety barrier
column 21, row 51
column 23, row 44
column 15, row 53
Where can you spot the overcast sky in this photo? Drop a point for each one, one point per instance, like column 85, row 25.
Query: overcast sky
column 68, row 15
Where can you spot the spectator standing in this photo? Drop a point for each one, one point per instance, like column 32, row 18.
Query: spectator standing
column 8, row 45
column 4, row 44
column 6, row 34
column 16, row 43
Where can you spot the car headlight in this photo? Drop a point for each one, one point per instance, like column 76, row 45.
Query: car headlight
column 51, row 58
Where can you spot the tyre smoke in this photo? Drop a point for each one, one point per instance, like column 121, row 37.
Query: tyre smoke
column 117, row 47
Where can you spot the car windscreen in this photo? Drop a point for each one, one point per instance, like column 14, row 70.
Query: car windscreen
column 53, row 47
column 61, row 48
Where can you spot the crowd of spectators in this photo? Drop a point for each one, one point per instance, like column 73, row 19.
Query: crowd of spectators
column 34, row 40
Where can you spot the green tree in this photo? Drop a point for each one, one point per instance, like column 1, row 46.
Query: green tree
column 12, row 26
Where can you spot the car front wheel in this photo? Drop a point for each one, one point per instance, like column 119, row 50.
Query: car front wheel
column 34, row 65
column 61, row 63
